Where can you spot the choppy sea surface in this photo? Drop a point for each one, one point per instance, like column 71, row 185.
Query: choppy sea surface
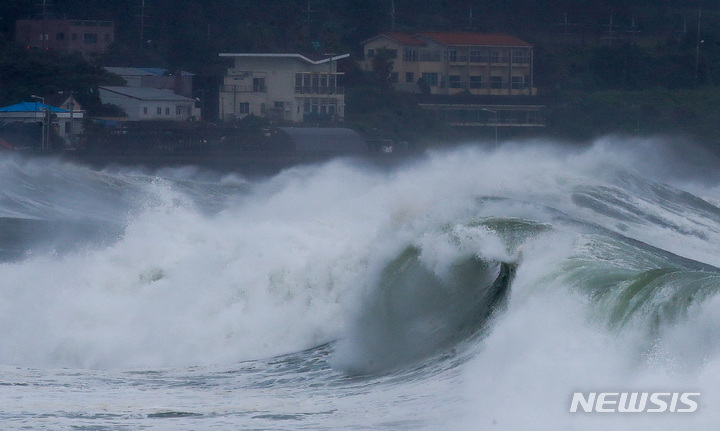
column 470, row 288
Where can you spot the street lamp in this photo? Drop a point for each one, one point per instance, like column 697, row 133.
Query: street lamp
column 45, row 117
column 496, row 122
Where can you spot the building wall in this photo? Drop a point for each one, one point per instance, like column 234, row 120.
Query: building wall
column 266, row 87
column 138, row 110
column 479, row 70
column 86, row 37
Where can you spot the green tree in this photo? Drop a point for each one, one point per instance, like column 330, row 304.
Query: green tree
column 382, row 66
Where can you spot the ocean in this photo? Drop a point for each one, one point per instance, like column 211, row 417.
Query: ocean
column 469, row 288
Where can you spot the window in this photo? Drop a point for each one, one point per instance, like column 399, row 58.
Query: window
column 145, row 110
column 495, row 56
column 315, row 105
column 476, row 56
column 90, row 38
column 259, row 85
column 159, row 110
column 243, row 108
column 410, row 54
column 520, row 57
column 453, row 55
column 60, row 36
column 323, row 80
column 179, row 110
column 409, row 77
column 279, row 105
column 371, row 53
column 167, row 111
column 67, row 127
column 431, row 79
column 476, row 82
column 516, row 82
column 306, row 106
column 298, row 80
column 455, row 81
column 316, row 80
column 496, row 82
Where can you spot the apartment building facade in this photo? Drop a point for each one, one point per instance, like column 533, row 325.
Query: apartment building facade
column 456, row 62
column 66, row 36
column 288, row 88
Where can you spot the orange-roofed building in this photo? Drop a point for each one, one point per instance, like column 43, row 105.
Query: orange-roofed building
column 456, row 62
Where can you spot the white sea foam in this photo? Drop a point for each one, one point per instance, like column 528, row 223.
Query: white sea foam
column 212, row 270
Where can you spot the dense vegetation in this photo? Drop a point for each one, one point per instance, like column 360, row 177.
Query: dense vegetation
column 635, row 66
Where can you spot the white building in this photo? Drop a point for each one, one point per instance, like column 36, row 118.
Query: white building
column 142, row 104
column 283, row 87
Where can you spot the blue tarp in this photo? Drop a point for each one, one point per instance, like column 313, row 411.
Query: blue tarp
column 31, row 107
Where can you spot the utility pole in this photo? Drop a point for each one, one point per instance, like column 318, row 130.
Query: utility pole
column 309, row 11
column 697, row 49
column 44, row 25
column 44, row 6
column 566, row 27
column 142, row 24
column 610, row 31
column 634, row 32
column 392, row 15
column 471, row 19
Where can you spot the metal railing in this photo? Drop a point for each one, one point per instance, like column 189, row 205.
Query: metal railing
column 319, row 90
column 242, row 89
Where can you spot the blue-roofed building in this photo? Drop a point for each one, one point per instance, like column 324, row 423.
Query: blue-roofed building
column 67, row 124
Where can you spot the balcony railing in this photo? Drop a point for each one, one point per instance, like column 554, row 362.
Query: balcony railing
column 242, row 89
column 319, row 90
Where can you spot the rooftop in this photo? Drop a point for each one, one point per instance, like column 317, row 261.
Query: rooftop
column 455, row 39
column 310, row 58
column 30, row 107
column 142, row 93
column 484, row 39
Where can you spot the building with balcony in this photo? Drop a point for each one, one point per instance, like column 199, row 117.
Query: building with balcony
column 66, row 36
column 456, row 62
column 288, row 88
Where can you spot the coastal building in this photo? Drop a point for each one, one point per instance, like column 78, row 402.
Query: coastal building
column 142, row 104
column 456, row 62
column 288, row 88
column 87, row 37
column 465, row 79
column 67, row 123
